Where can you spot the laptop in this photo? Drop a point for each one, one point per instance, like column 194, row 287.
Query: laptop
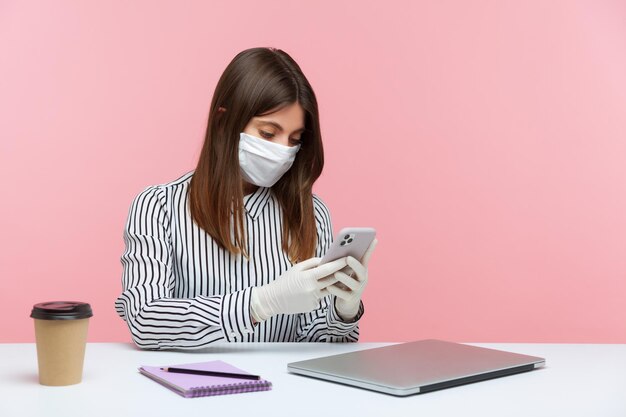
column 416, row 367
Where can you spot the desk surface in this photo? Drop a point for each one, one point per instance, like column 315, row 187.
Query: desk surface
column 578, row 380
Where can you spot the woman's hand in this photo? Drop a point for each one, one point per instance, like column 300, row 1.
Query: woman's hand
column 348, row 289
column 298, row 290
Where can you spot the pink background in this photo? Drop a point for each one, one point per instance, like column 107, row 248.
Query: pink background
column 485, row 141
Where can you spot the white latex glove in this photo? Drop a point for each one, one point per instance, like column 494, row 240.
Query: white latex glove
column 298, row 290
column 348, row 290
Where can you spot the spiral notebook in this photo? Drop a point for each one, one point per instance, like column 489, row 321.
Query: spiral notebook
column 189, row 385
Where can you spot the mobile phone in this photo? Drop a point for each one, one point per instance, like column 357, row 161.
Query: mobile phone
column 350, row 241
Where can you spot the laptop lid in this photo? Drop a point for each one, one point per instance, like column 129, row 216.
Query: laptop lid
column 416, row 367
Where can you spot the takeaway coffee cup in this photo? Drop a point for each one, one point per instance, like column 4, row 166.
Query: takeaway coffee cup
column 61, row 335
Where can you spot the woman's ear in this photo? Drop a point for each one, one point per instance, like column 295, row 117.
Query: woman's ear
column 219, row 116
column 220, row 112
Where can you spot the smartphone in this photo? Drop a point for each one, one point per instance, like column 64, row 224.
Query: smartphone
column 350, row 241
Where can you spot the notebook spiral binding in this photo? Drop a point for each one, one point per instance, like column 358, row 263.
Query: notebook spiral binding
column 231, row 388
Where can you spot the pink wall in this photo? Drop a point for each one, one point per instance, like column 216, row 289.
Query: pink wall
column 484, row 140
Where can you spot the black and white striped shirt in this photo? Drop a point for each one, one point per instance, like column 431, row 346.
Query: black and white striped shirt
column 181, row 290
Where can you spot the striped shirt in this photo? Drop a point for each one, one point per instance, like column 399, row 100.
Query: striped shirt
column 181, row 290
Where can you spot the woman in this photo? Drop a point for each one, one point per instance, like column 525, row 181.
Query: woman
column 231, row 250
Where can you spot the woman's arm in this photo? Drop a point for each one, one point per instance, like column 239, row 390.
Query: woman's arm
column 155, row 319
column 324, row 323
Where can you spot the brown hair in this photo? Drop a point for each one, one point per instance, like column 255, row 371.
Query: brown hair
column 258, row 81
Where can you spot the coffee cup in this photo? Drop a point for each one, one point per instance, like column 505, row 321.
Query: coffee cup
column 61, row 336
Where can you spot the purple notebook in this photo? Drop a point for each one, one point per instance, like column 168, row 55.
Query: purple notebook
column 189, row 385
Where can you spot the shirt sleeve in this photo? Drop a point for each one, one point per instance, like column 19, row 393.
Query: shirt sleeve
column 157, row 320
column 324, row 323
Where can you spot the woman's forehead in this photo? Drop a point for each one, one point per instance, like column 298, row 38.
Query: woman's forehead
column 289, row 118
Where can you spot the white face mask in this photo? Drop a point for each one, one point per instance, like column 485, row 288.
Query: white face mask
column 263, row 162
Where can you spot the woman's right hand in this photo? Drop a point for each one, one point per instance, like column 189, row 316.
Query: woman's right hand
column 298, row 290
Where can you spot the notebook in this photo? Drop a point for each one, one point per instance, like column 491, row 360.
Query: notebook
column 189, row 385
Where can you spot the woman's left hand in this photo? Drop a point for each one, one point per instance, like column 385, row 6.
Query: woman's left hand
column 348, row 295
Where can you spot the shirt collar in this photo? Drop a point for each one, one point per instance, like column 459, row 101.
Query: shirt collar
column 255, row 203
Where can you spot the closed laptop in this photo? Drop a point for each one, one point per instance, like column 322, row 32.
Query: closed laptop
column 416, row 367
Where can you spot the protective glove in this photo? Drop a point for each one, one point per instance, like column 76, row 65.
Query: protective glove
column 298, row 290
column 348, row 290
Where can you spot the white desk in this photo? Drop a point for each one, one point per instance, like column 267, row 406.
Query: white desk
column 578, row 380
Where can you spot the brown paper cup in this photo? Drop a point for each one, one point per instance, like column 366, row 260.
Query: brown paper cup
column 61, row 335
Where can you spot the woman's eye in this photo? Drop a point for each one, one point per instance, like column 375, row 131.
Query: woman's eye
column 266, row 134
column 295, row 141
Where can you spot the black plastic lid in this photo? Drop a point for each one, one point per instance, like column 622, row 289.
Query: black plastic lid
column 61, row 310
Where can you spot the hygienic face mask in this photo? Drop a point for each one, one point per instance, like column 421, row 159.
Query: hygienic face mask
column 263, row 162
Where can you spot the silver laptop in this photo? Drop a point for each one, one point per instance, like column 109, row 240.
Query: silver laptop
column 416, row 367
